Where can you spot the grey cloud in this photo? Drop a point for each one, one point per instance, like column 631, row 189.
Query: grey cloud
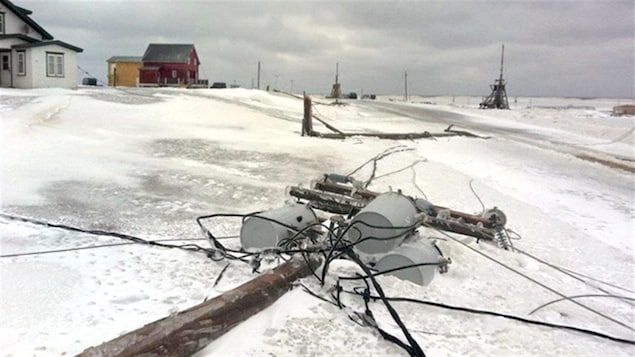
column 553, row 47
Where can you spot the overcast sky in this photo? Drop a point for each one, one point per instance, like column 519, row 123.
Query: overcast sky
column 552, row 48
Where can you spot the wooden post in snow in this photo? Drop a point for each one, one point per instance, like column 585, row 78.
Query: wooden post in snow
column 307, row 120
column 191, row 330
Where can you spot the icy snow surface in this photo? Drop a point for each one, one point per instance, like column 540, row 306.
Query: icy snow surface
column 147, row 162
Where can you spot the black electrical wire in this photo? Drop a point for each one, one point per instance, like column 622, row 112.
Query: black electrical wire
column 413, row 348
column 310, row 292
column 624, row 298
column 553, row 266
column 98, row 246
column 533, row 280
column 220, row 275
column 498, row 314
column 597, row 280
column 63, row 250
column 218, row 247
column 188, row 247
column 564, row 271
column 383, row 272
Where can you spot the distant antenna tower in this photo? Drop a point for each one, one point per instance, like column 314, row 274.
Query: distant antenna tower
column 336, row 91
column 498, row 98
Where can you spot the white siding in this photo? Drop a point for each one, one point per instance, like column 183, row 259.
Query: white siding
column 25, row 81
column 36, row 69
column 8, row 42
column 15, row 25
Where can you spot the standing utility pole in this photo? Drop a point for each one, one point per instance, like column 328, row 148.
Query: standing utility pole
column 405, row 79
column 258, row 75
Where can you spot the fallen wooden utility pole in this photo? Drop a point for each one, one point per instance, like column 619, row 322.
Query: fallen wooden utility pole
column 368, row 195
column 390, row 136
column 464, row 133
column 191, row 330
column 307, row 129
column 346, row 199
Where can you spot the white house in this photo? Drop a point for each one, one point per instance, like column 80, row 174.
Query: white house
column 29, row 56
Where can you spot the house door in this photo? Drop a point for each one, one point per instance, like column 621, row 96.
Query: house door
column 5, row 69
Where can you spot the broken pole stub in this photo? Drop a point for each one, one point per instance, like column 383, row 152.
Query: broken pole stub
column 189, row 331
column 307, row 120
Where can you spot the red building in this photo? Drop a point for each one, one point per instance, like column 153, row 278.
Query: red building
column 170, row 65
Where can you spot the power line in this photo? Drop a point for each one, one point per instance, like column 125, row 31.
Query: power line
column 563, row 271
column 103, row 246
column 189, row 247
column 507, row 316
column 581, row 296
column 535, row 281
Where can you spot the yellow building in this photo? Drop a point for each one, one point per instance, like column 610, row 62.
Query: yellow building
column 123, row 71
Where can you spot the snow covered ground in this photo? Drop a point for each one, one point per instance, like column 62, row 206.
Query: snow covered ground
column 147, row 162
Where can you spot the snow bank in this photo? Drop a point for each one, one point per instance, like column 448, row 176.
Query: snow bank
column 148, row 161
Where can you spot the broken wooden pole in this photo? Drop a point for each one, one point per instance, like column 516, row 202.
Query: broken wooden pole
column 463, row 133
column 329, row 126
column 368, row 195
column 457, row 227
column 307, row 129
column 393, row 136
column 307, row 120
column 191, row 330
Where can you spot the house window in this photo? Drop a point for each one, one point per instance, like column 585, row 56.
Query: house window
column 5, row 62
column 54, row 64
column 21, row 63
column 173, row 73
column 1, row 23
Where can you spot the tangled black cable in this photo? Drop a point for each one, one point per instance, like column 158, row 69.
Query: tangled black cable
column 413, row 348
column 334, row 246
column 338, row 246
